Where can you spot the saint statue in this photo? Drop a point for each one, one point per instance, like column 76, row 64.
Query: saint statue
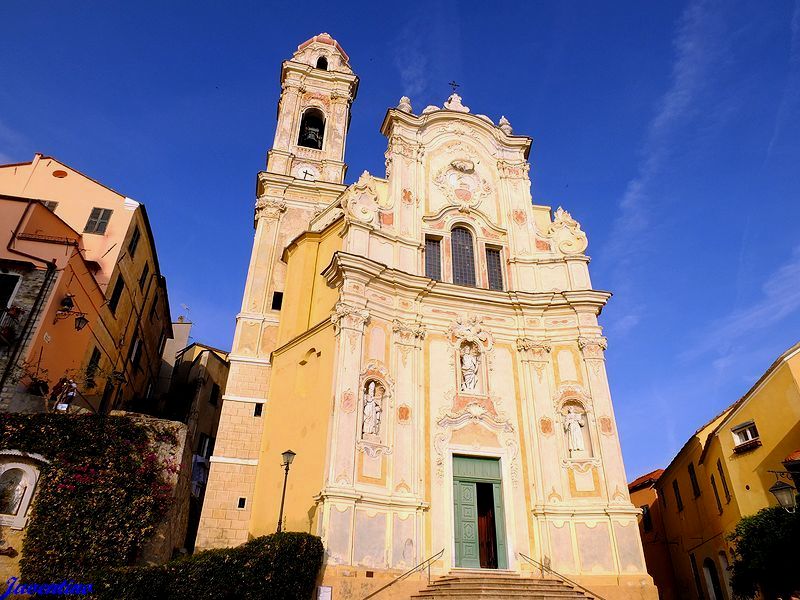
column 372, row 412
column 469, row 368
column 573, row 421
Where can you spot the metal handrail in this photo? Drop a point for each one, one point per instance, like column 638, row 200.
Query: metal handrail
column 543, row 568
column 424, row 564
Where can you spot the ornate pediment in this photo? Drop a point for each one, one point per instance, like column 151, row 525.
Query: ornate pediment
column 470, row 329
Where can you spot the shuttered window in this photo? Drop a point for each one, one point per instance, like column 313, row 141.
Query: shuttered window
column 143, row 277
column 98, row 220
column 116, row 294
column 433, row 258
column 463, row 257
column 134, row 243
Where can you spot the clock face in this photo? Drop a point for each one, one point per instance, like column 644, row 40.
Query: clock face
column 306, row 172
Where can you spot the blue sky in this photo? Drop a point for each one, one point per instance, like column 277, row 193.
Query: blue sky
column 669, row 130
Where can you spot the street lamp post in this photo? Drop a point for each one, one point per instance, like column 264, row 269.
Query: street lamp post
column 288, row 457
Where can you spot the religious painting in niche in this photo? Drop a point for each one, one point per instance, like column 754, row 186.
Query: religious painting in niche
column 13, row 486
column 576, row 431
column 372, row 411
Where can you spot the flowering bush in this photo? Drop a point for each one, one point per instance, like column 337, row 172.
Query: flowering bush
column 100, row 497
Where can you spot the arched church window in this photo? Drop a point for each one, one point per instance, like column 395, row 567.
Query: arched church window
column 312, row 129
column 463, row 256
column 322, row 63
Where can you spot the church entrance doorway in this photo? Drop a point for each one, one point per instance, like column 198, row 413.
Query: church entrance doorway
column 479, row 519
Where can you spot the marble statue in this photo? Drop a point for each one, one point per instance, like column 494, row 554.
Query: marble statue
column 469, row 368
column 573, row 421
column 372, row 412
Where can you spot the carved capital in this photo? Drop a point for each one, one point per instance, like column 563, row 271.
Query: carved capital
column 345, row 316
column 408, row 332
column 539, row 348
column 593, row 347
column 269, row 208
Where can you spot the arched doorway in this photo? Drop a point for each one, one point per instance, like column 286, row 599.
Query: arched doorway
column 712, row 580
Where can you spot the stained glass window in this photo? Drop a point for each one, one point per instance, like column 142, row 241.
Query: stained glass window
column 463, row 257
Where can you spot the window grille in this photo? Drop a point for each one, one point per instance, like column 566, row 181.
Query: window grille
column 433, row 258
column 494, row 268
column 463, row 257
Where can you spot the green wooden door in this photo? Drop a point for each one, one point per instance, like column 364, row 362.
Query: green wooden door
column 467, row 471
column 465, row 504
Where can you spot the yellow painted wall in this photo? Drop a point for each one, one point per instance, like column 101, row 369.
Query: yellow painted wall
column 297, row 412
column 701, row 528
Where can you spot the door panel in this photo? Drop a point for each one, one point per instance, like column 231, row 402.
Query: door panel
column 500, row 527
column 465, row 505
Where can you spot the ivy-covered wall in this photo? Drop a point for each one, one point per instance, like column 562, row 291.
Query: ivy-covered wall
column 108, row 489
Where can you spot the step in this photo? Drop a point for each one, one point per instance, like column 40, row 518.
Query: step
column 483, row 584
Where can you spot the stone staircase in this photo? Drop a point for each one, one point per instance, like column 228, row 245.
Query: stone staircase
column 498, row 585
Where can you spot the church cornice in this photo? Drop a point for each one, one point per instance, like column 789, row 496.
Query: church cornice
column 372, row 271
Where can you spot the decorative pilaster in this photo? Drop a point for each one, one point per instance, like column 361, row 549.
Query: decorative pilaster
column 348, row 317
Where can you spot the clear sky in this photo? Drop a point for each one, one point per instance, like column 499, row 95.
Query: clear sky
column 668, row 129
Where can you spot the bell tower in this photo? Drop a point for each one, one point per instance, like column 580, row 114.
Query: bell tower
column 305, row 173
column 317, row 88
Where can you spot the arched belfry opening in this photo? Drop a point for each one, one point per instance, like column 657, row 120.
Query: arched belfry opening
column 312, row 129
column 322, row 63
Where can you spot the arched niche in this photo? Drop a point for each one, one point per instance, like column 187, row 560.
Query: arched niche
column 373, row 410
column 18, row 480
column 576, row 429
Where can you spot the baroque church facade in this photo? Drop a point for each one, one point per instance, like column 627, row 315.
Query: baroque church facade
column 427, row 342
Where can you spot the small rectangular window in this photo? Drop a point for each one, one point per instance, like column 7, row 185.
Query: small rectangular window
column 134, row 243
column 116, row 294
column 8, row 288
column 677, row 490
column 277, row 300
column 647, row 518
column 724, row 482
column 213, row 399
column 242, row 502
column 153, row 309
column 143, row 276
column 204, row 445
column 91, row 368
column 98, row 220
column 716, row 494
column 135, row 352
column 494, row 268
column 258, row 410
column 693, row 479
column 50, row 205
column 433, row 258
column 746, row 432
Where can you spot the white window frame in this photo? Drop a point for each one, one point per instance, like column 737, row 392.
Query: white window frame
column 16, row 289
column 20, row 520
column 747, row 429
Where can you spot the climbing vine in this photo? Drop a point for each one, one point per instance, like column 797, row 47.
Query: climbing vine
column 100, row 497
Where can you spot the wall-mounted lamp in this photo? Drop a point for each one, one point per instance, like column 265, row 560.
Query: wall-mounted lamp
column 68, row 309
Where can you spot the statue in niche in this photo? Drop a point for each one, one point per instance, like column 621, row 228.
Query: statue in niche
column 573, row 421
column 470, row 361
column 371, row 424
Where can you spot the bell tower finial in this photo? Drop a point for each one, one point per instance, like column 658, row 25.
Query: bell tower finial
column 318, row 88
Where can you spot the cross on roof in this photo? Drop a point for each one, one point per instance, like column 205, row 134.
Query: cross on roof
column 453, row 85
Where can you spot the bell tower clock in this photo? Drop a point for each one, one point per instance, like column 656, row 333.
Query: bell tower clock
column 317, row 88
